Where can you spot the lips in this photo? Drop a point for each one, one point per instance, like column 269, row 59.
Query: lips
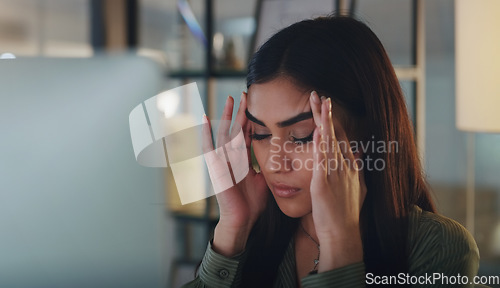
column 285, row 191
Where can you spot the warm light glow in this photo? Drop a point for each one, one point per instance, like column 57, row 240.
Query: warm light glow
column 496, row 240
column 168, row 103
column 218, row 41
column 477, row 52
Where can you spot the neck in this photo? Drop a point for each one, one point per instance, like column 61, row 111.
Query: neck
column 308, row 224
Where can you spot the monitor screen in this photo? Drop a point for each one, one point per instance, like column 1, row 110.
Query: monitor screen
column 76, row 210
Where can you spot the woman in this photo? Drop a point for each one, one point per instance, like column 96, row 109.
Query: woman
column 340, row 198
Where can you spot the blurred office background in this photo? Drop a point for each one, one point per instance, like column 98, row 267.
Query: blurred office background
column 165, row 240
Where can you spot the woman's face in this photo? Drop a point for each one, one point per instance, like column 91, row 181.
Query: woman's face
column 282, row 127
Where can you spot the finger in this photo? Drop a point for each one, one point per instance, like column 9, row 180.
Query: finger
column 319, row 171
column 329, row 132
column 227, row 116
column 240, row 118
column 315, row 107
column 206, row 133
column 248, row 140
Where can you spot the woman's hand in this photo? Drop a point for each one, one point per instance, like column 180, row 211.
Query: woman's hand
column 240, row 205
column 337, row 190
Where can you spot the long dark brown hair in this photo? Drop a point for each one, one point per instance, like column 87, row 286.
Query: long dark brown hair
column 343, row 59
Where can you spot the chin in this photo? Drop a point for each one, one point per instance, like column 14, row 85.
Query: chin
column 293, row 207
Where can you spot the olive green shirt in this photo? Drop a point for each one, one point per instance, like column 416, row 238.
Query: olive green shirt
column 437, row 245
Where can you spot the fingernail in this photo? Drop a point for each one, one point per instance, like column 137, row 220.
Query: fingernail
column 329, row 103
column 323, row 98
column 204, row 119
column 314, row 97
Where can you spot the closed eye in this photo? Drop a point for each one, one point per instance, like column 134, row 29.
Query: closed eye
column 303, row 140
column 259, row 137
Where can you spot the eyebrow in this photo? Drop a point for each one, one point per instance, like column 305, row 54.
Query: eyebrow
column 300, row 117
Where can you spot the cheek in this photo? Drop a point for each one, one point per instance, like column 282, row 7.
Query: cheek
column 300, row 158
column 259, row 151
column 303, row 164
column 302, row 155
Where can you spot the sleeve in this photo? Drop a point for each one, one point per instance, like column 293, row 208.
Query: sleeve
column 218, row 271
column 444, row 254
column 349, row 276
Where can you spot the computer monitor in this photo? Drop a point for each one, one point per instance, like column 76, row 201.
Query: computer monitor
column 76, row 210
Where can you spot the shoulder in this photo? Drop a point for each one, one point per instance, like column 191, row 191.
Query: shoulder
column 435, row 228
column 440, row 244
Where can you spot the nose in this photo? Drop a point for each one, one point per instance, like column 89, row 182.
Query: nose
column 279, row 158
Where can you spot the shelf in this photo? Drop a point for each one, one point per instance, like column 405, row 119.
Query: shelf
column 195, row 217
column 200, row 73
